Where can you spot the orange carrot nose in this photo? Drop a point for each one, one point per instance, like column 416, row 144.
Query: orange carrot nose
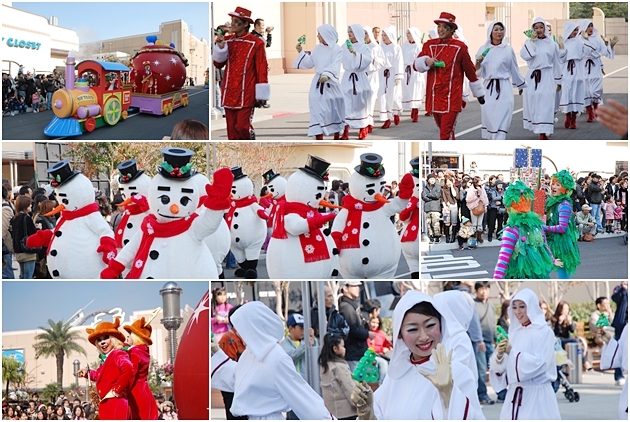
column 55, row 210
column 269, row 195
column 125, row 202
column 327, row 204
column 381, row 198
column 174, row 209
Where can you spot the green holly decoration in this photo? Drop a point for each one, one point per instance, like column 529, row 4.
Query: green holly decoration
column 302, row 39
column 602, row 321
column 367, row 369
column 186, row 168
column 528, row 33
column 501, row 334
column 58, row 178
column 166, row 166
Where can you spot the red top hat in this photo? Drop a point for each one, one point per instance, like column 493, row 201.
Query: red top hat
column 243, row 14
column 446, row 17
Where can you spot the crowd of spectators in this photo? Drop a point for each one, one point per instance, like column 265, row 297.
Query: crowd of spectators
column 29, row 92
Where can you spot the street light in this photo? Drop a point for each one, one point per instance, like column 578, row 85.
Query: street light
column 171, row 312
column 77, row 366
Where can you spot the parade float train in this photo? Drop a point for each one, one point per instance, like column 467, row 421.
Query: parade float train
column 105, row 91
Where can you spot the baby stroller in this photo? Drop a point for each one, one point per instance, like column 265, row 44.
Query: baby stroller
column 563, row 364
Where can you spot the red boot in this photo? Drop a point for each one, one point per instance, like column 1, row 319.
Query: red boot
column 387, row 124
column 344, row 137
column 464, row 103
column 396, row 120
column 543, row 137
column 574, row 120
column 370, row 128
column 591, row 114
column 567, row 121
column 414, row 115
column 363, row 133
column 336, row 136
column 319, row 137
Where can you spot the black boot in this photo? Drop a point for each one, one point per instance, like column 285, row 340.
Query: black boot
column 454, row 234
column 240, row 272
column 489, row 237
column 415, row 275
column 447, row 233
column 250, row 272
column 437, row 239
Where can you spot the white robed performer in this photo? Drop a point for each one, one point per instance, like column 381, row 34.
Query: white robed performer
column 325, row 99
column 525, row 363
column 557, row 105
column 265, row 380
column 593, row 66
column 615, row 355
column 414, row 83
column 355, row 84
column 497, row 66
column 378, row 61
column 390, row 93
column 572, row 52
column 425, row 381
column 544, row 76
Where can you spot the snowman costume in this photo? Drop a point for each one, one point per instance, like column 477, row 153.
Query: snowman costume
column 171, row 241
column 82, row 243
column 277, row 187
column 298, row 248
column 219, row 241
column 423, row 402
column 410, row 216
column 615, row 355
column 265, row 380
column 529, row 368
column 134, row 187
column 367, row 241
column 247, row 222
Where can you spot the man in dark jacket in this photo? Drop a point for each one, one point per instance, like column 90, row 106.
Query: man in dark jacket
column 335, row 322
column 431, row 195
column 596, row 197
column 49, row 87
column 349, row 308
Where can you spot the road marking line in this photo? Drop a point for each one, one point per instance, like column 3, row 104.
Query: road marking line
column 457, row 275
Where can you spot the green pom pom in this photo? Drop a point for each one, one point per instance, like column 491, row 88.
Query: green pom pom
column 515, row 191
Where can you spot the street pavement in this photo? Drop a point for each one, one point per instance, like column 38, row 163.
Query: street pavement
column 606, row 258
column 288, row 116
column 30, row 126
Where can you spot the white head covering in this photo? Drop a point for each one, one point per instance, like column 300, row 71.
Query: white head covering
column 460, row 35
column 488, row 42
column 535, row 314
column 456, row 303
column 433, row 33
column 547, row 33
column 328, row 33
column 259, row 327
column 391, row 33
column 358, row 32
column 584, row 23
column 569, row 27
column 415, row 34
column 370, row 34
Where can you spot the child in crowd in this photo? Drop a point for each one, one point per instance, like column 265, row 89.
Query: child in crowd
column 380, row 343
column 618, row 216
column 6, row 108
column 35, row 99
column 20, row 105
column 219, row 309
column 336, row 378
column 466, row 231
column 609, row 211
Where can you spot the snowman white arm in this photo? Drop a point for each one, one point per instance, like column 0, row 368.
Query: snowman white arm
column 129, row 251
column 395, row 206
column 207, row 223
column 295, row 225
column 99, row 226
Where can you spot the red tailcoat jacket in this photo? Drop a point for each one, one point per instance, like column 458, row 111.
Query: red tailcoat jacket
column 245, row 72
column 141, row 401
column 445, row 84
column 116, row 373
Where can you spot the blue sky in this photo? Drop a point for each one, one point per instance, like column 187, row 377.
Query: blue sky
column 95, row 21
column 27, row 305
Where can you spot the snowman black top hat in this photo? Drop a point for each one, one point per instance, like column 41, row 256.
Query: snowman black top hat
column 61, row 172
column 415, row 166
column 371, row 166
column 316, row 167
column 237, row 172
column 128, row 171
column 269, row 175
column 176, row 164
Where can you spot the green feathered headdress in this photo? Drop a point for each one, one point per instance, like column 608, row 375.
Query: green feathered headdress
column 515, row 191
column 565, row 179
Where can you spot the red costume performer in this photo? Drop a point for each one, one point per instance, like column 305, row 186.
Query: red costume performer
column 245, row 79
column 147, row 78
column 114, row 376
column 445, row 84
column 141, row 401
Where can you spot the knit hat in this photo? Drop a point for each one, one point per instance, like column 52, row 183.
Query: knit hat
column 105, row 328
column 465, row 220
column 515, row 191
column 430, row 176
column 140, row 329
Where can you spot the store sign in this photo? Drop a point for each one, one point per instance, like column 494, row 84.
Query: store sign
column 31, row 45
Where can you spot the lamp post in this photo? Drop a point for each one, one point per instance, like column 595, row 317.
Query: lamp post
column 77, row 366
column 171, row 315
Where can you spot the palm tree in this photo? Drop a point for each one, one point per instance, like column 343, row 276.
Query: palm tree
column 12, row 371
column 57, row 341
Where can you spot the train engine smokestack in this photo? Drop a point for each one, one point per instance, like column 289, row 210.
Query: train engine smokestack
column 70, row 63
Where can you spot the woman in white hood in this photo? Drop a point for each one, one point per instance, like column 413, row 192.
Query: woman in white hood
column 414, row 83
column 615, row 355
column 390, row 93
column 378, row 61
column 265, row 380
column 423, row 381
column 497, row 66
column 572, row 51
column 544, row 76
column 525, row 363
column 325, row 99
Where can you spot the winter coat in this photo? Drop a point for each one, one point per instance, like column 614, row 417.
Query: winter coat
column 337, row 386
column 356, row 342
column 431, row 195
column 474, row 196
column 448, row 197
column 595, row 193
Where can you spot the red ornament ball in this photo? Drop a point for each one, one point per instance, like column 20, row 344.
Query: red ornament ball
column 167, row 67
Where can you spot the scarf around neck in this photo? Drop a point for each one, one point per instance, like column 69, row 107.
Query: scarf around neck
column 352, row 231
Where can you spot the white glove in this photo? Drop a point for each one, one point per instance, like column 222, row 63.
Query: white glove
column 534, row 36
column 561, row 42
column 323, row 79
column 214, row 345
column 613, row 41
column 558, row 89
column 584, row 35
column 398, row 81
column 363, row 398
column 298, row 47
column 504, row 347
column 443, row 377
column 606, row 334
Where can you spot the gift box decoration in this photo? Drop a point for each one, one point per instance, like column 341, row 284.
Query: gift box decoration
column 539, row 201
column 527, row 157
column 531, row 176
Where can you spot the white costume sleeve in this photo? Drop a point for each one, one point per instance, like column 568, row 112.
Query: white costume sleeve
column 399, row 64
column 498, row 372
column 557, row 68
column 563, row 54
column 523, row 366
column 528, row 52
column 420, row 64
column 464, row 389
column 206, row 224
column 333, row 69
column 99, row 226
column 222, row 375
column 220, row 55
column 339, row 223
column 303, row 61
column 295, row 225
column 517, row 78
column 127, row 254
column 395, row 205
column 378, row 58
column 614, row 353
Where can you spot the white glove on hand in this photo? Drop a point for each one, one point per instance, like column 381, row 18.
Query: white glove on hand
column 504, row 347
column 584, row 35
column 323, row 79
column 613, row 41
column 558, row 89
column 214, row 346
column 443, row 377
column 561, row 42
column 606, row 334
column 363, row 398
column 534, row 36
column 298, row 47
column 398, row 81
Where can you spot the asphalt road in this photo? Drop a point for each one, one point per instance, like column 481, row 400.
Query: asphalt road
column 30, row 126
column 603, row 259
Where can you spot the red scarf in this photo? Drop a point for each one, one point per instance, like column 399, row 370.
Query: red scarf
column 202, row 199
column 352, row 230
column 412, row 213
column 313, row 243
column 71, row 215
column 272, row 213
column 139, row 204
column 151, row 229
column 238, row 203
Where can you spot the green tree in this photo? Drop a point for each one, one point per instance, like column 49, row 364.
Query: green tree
column 12, row 371
column 57, row 341
column 50, row 392
column 584, row 10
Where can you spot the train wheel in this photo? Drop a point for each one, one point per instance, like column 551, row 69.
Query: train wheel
column 90, row 124
column 112, row 111
column 165, row 111
column 125, row 114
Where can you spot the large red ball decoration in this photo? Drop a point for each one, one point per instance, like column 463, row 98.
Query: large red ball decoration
column 166, row 65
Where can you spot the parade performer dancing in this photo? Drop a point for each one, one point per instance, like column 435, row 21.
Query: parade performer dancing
column 325, row 99
column 530, row 365
column 524, row 252
column 541, row 55
column 414, row 84
column 447, row 61
column 113, row 378
column 572, row 51
column 390, row 93
column 497, row 62
column 562, row 232
column 245, row 82
column 356, row 59
column 378, row 61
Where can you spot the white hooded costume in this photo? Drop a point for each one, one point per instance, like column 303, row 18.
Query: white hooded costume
column 414, row 83
column 325, row 100
column 406, row 394
column 378, row 61
column 615, row 355
column 572, row 59
column 355, row 84
column 497, row 68
column 544, row 74
column 265, row 380
column 530, row 368
column 390, row 94
column 222, row 375
column 593, row 66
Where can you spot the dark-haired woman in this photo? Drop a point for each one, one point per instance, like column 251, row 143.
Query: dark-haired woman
column 476, row 198
column 450, row 209
column 219, row 309
column 22, row 225
column 336, row 378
